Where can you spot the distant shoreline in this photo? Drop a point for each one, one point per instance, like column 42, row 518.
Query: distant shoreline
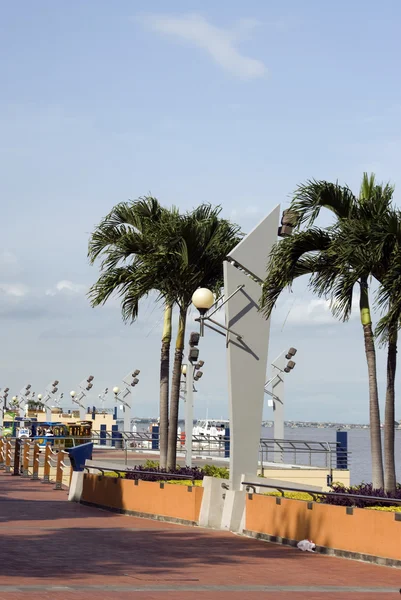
column 292, row 424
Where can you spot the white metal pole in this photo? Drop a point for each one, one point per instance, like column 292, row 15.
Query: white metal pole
column 48, row 412
column 189, row 413
column 127, row 418
column 278, row 404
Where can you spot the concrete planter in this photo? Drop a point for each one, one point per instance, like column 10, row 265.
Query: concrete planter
column 357, row 533
column 163, row 501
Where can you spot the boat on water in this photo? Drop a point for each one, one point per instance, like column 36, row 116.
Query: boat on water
column 210, row 428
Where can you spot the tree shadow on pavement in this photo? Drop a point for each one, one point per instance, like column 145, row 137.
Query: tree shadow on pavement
column 73, row 552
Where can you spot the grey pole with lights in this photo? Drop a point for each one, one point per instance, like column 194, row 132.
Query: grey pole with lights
column 130, row 380
column 3, row 400
column 84, row 387
column 192, row 373
column 21, row 399
column 51, row 389
column 280, row 366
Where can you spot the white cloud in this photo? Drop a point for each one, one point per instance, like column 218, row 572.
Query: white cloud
column 312, row 312
column 67, row 287
column 18, row 290
column 218, row 42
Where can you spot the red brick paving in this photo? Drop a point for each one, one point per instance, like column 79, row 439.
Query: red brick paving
column 47, row 541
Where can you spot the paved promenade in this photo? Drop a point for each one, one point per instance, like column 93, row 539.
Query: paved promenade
column 55, row 550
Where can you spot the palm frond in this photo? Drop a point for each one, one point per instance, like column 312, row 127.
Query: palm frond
column 289, row 259
column 311, row 197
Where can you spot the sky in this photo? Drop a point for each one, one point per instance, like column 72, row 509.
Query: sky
column 225, row 102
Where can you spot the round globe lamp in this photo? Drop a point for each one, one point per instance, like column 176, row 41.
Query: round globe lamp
column 203, row 299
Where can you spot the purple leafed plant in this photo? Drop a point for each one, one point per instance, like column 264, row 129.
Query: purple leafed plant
column 156, row 474
column 363, row 489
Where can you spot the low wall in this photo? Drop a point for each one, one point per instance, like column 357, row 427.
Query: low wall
column 315, row 477
column 362, row 534
column 168, row 502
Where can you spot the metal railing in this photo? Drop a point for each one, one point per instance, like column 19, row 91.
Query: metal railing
column 301, row 452
column 141, row 474
column 320, row 454
column 21, row 456
column 251, row 485
column 317, row 454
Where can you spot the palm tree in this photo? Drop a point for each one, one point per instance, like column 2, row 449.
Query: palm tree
column 127, row 239
column 199, row 243
column 385, row 236
column 335, row 264
column 376, row 239
column 145, row 248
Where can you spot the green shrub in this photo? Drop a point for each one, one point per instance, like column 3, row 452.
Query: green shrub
column 384, row 508
column 213, row 471
column 293, row 496
column 152, row 464
column 196, row 483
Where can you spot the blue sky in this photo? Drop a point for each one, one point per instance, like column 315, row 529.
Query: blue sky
column 225, row 102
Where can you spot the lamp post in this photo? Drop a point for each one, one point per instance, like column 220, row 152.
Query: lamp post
column 130, row 380
column 50, row 390
column 20, row 400
column 191, row 373
column 102, row 397
column 57, row 401
column 84, row 387
column 3, row 400
column 203, row 299
column 282, row 365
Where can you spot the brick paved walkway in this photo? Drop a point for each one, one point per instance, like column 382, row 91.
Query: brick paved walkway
column 55, row 550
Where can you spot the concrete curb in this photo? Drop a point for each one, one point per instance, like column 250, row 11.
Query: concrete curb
column 367, row 558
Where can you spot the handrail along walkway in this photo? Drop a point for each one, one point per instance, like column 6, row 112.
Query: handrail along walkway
column 314, row 493
column 169, row 476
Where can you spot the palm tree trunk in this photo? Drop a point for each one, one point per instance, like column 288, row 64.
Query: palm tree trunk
column 175, row 392
column 389, row 417
column 374, row 409
column 164, row 386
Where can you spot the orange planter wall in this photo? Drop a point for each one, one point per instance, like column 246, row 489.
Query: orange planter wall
column 172, row 501
column 365, row 531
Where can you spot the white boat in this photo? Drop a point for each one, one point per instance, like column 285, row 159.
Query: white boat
column 210, row 428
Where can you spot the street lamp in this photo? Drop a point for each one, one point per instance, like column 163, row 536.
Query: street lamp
column 289, row 220
column 102, row 397
column 22, row 398
column 85, row 386
column 130, row 380
column 203, row 299
column 3, row 398
column 281, row 365
column 191, row 373
column 50, row 390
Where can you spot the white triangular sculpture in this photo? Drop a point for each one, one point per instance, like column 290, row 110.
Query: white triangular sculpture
column 247, row 357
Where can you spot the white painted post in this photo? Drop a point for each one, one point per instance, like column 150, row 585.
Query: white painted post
column 127, row 418
column 278, row 404
column 189, row 413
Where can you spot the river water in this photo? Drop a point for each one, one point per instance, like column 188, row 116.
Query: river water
column 358, row 445
column 359, row 460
